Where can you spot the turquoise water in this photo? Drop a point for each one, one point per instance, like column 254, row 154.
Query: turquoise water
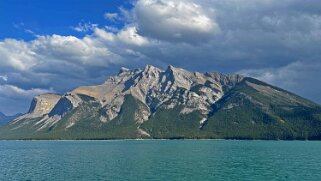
column 160, row 160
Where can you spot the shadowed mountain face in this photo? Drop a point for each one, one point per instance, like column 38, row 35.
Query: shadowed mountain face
column 172, row 103
column 5, row 119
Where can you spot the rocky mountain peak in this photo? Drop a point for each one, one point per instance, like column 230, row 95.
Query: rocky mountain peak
column 123, row 70
column 180, row 77
column 171, row 103
column 152, row 87
column 43, row 104
column 151, row 71
column 176, row 71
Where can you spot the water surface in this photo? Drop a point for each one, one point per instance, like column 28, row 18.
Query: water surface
column 160, row 160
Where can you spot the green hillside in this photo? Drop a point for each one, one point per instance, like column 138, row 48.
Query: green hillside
column 250, row 110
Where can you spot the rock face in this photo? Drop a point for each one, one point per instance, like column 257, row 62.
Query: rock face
column 171, row 103
column 153, row 87
column 43, row 104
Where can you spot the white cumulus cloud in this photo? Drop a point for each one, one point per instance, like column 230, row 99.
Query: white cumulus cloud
column 261, row 38
column 17, row 92
column 84, row 27
column 174, row 20
column 111, row 16
column 17, row 55
column 129, row 35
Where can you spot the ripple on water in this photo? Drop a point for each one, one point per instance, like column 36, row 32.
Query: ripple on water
column 160, row 160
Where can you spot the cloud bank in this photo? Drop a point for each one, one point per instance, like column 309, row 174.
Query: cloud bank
column 277, row 42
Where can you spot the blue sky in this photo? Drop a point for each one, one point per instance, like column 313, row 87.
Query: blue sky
column 55, row 46
column 53, row 17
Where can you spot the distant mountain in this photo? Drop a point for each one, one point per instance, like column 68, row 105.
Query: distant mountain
column 172, row 104
column 5, row 119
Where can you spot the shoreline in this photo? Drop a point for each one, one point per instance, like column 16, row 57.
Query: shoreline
column 67, row 140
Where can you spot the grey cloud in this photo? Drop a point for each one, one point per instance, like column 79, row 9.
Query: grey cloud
column 13, row 91
column 252, row 33
column 300, row 77
column 174, row 21
column 4, row 78
column 278, row 42
column 58, row 62
column 17, row 99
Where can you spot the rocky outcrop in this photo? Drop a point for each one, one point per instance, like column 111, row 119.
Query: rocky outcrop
column 43, row 104
column 153, row 87
column 172, row 103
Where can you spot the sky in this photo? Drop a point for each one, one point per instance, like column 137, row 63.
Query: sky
column 55, row 46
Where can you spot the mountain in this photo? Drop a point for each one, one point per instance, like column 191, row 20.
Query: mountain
column 4, row 119
column 172, row 104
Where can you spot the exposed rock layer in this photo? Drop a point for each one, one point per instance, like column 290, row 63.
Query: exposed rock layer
column 155, row 103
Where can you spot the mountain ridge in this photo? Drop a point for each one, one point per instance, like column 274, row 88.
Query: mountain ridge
column 171, row 103
column 4, row 118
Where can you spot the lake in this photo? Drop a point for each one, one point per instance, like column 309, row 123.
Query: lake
column 160, row 160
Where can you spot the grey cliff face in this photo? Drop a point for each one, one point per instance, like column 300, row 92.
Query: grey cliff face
column 171, row 104
column 43, row 104
column 153, row 87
